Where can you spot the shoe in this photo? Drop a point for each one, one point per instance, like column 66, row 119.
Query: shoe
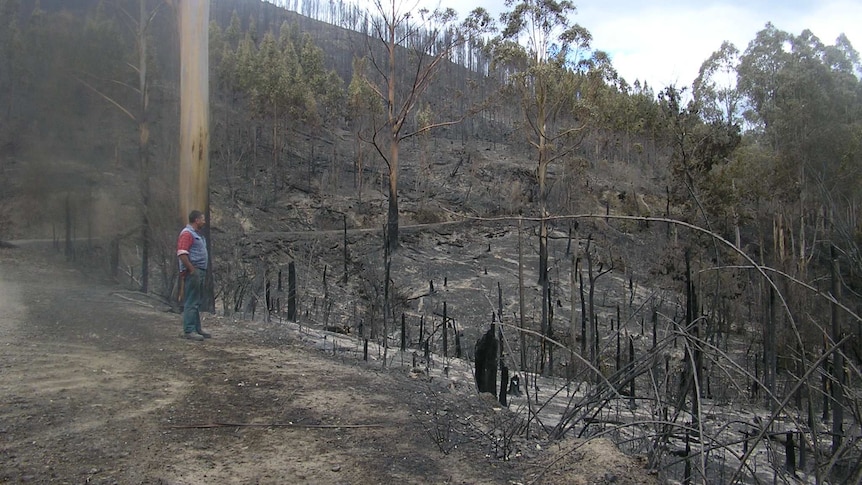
column 204, row 334
column 193, row 336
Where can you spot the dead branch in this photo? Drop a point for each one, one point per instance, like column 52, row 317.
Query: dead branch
column 272, row 425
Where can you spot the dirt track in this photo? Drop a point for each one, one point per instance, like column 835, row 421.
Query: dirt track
column 98, row 387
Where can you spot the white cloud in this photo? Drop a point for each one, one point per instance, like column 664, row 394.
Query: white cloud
column 665, row 41
column 667, row 45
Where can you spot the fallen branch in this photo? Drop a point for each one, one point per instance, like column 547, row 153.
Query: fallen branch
column 132, row 300
column 272, row 425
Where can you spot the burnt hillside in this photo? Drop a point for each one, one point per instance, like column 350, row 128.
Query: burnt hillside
column 672, row 281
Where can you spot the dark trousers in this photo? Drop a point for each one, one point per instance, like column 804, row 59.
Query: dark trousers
column 194, row 289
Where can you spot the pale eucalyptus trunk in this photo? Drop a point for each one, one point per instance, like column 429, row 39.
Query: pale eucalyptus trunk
column 194, row 105
column 194, row 120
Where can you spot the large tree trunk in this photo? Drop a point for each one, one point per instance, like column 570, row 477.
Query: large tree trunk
column 194, row 119
column 394, row 129
column 194, row 105
column 392, row 214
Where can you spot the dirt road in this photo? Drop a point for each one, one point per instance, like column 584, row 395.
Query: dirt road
column 98, row 387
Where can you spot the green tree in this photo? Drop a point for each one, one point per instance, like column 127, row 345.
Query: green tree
column 548, row 56
column 233, row 33
column 806, row 106
column 715, row 87
column 284, row 82
column 363, row 108
column 759, row 78
column 696, row 148
column 272, row 88
column 805, row 109
column 326, row 85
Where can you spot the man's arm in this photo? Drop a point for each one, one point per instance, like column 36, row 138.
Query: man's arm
column 184, row 244
column 184, row 258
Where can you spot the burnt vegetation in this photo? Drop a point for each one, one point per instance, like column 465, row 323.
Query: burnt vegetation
column 677, row 270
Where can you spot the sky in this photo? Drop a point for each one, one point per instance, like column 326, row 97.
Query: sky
column 665, row 42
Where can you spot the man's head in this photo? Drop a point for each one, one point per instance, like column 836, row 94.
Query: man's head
column 197, row 219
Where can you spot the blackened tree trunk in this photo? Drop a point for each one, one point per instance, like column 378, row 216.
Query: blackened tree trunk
column 837, row 361
column 543, row 281
column 344, row 219
column 403, row 332
column 504, row 385
column 70, row 252
column 692, row 376
column 486, row 362
column 445, row 331
column 593, row 337
column 291, row 291
column 770, row 359
column 457, row 335
column 583, row 314
column 387, row 265
column 521, row 300
column 548, row 318
column 632, row 370
column 790, row 453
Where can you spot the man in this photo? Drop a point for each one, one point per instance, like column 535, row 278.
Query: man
column 193, row 257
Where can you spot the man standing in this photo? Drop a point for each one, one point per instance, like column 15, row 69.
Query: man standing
column 193, row 257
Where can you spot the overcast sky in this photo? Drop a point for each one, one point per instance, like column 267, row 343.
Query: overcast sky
column 665, row 41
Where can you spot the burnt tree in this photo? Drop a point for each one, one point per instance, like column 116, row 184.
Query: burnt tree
column 487, row 352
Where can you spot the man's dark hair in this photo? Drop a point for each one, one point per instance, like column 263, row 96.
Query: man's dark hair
column 194, row 215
